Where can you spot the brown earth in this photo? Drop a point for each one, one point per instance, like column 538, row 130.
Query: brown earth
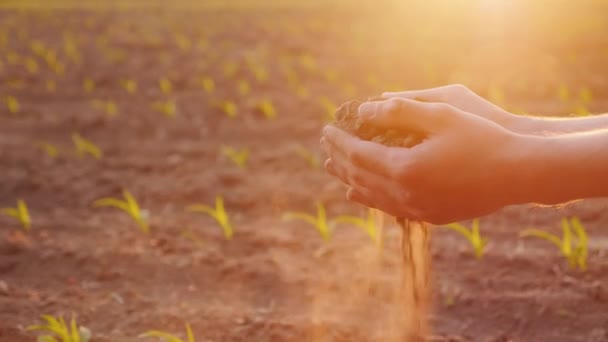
column 276, row 280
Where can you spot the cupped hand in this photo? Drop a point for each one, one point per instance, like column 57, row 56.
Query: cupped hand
column 465, row 99
column 460, row 171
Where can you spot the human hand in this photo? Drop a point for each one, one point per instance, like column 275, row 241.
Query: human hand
column 465, row 99
column 460, row 171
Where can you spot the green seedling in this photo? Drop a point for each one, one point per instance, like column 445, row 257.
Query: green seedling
column 473, row 236
column 169, row 337
column 563, row 93
column 238, row 157
column 229, row 108
column 368, row 225
column 573, row 248
column 320, row 222
column 329, row 108
column 109, row 107
column 267, row 109
column 128, row 205
column 311, row 158
column 208, row 84
column 50, row 149
column 31, row 65
column 165, row 86
column 585, row 95
column 218, row 213
column 12, row 104
column 88, row 85
column 167, row 108
column 581, row 110
column 84, row 146
column 243, row 87
column 20, row 213
column 57, row 330
column 51, row 86
column 129, row 85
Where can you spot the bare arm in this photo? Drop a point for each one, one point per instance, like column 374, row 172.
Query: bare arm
column 551, row 126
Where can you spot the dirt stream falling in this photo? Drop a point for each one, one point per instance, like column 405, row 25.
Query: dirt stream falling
column 415, row 288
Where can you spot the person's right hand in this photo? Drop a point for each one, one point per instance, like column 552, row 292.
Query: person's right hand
column 463, row 98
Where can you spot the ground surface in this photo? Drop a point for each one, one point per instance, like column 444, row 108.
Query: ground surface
column 275, row 280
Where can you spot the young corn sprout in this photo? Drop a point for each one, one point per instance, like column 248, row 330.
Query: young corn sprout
column 238, row 157
column 320, row 222
column 165, row 85
column 88, row 85
column 128, row 205
column 218, row 213
column 50, row 149
column 329, row 107
column 12, row 104
column 31, row 65
column 84, row 146
column 208, row 84
column 243, row 87
column 581, row 110
column 167, row 108
column 169, row 337
column 311, row 158
column 109, row 107
column 477, row 242
column 129, row 85
column 267, row 109
column 229, row 108
column 368, row 225
column 20, row 213
column 57, row 330
column 573, row 248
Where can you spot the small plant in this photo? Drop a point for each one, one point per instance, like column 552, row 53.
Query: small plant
column 88, row 85
column 129, row 85
column 473, row 236
column 218, row 213
column 59, row 331
column 12, row 104
column 267, row 109
column 109, row 107
column 169, row 337
column 129, row 206
column 329, row 108
column 320, row 222
column 50, row 149
column 243, row 87
column 368, row 225
column 165, row 85
column 229, row 108
column 20, row 213
column 208, row 84
column 573, row 248
column 238, row 157
column 311, row 158
column 84, row 146
column 167, row 108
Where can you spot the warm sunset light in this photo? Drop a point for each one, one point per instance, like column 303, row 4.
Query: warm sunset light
column 303, row 171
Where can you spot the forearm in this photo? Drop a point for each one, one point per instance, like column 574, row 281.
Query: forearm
column 558, row 169
column 548, row 126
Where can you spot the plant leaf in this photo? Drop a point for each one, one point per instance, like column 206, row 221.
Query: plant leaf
column 537, row 233
column 160, row 334
column 112, row 202
column 189, row 333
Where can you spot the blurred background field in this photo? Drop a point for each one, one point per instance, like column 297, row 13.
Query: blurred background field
column 160, row 92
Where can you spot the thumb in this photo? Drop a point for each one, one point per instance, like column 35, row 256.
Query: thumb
column 404, row 114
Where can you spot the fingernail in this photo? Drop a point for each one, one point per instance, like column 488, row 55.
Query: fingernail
column 367, row 110
column 329, row 166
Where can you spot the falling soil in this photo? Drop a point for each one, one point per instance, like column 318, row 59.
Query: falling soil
column 415, row 294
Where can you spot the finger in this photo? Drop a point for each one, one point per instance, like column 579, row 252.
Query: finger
column 438, row 94
column 407, row 115
column 374, row 157
column 349, row 174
